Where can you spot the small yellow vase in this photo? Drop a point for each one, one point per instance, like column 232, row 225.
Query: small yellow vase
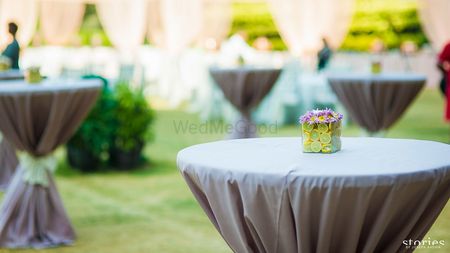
column 321, row 137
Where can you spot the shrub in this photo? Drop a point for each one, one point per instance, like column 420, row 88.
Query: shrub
column 132, row 116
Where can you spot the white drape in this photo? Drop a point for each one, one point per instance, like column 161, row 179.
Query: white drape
column 216, row 22
column 60, row 20
column 434, row 15
column 303, row 23
column 23, row 13
column 124, row 21
column 174, row 24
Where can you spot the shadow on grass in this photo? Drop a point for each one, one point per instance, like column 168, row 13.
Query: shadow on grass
column 146, row 167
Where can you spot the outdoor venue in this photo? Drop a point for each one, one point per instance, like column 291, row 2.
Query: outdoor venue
column 224, row 126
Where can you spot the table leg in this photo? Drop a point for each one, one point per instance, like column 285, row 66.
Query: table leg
column 32, row 214
column 379, row 134
column 243, row 128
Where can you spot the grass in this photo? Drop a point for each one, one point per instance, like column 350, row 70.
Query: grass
column 152, row 210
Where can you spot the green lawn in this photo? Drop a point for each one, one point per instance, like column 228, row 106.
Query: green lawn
column 152, row 210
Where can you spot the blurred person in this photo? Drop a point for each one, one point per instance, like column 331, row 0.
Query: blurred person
column 13, row 49
column 242, row 34
column 211, row 44
column 444, row 66
column 407, row 49
column 377, row 46
column 262, row 43
column 324, row 55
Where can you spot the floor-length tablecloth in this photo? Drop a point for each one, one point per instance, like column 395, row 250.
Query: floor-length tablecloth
column 376, row 102
column 8, row 162
column 37, row 119
column 8, row 158
column 265, row 195
column 245, row 88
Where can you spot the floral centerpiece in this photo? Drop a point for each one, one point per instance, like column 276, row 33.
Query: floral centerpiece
column 321, row 131
column 33, row 75
column 5, row 63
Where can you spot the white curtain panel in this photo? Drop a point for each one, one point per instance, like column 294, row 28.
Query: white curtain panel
column 303, row 23
column 24, row 14
column 434, row 15
column 216, row 24
column 174, row 24
column 60, row 20
column 124, row 21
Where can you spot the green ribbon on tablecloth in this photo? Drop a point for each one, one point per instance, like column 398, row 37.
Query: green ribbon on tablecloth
column 36, row 168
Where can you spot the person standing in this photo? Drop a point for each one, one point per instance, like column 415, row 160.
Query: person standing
column 444, row 65
column 324, row 55
column 13, row 49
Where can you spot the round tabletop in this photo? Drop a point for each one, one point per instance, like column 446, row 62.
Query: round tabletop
column 46, row 86
column 243, row 68
column 265, row 195
column 359, row 157
column 13, row 74
column 405, row 78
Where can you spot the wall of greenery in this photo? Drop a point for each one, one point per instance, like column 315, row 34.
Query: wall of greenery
column 391, row 21
column 388, row 20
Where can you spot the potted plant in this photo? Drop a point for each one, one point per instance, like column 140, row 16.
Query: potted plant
column 90, row 144
column 133, row 118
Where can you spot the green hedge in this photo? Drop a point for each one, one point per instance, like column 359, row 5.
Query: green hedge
column 391, row 21
column 255, row 19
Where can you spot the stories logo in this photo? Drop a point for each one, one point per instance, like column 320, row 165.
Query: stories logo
column 427, row 243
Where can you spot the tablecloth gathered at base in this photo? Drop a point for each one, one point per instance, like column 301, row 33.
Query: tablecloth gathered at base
column 37, row 119
column 8, row 162
column 265, row 195
column 245, row 87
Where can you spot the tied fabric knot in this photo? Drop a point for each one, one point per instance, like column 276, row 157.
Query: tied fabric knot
column 36, row 168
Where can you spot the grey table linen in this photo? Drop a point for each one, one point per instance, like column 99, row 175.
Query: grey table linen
column 8, row 158
column 376, row 102
column 12, row 74
column 245, row 87
column 265, row 195
column 37, row 119
column 8, row 162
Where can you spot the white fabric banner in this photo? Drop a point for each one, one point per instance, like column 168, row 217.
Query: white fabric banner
column 24, row 14
column 216, row 23
column 60, row 20
column 124, row 22
column 434, row 17
column 303, row 23
column 174, row 24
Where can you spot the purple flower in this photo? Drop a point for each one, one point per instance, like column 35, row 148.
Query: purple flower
column 320, row 116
